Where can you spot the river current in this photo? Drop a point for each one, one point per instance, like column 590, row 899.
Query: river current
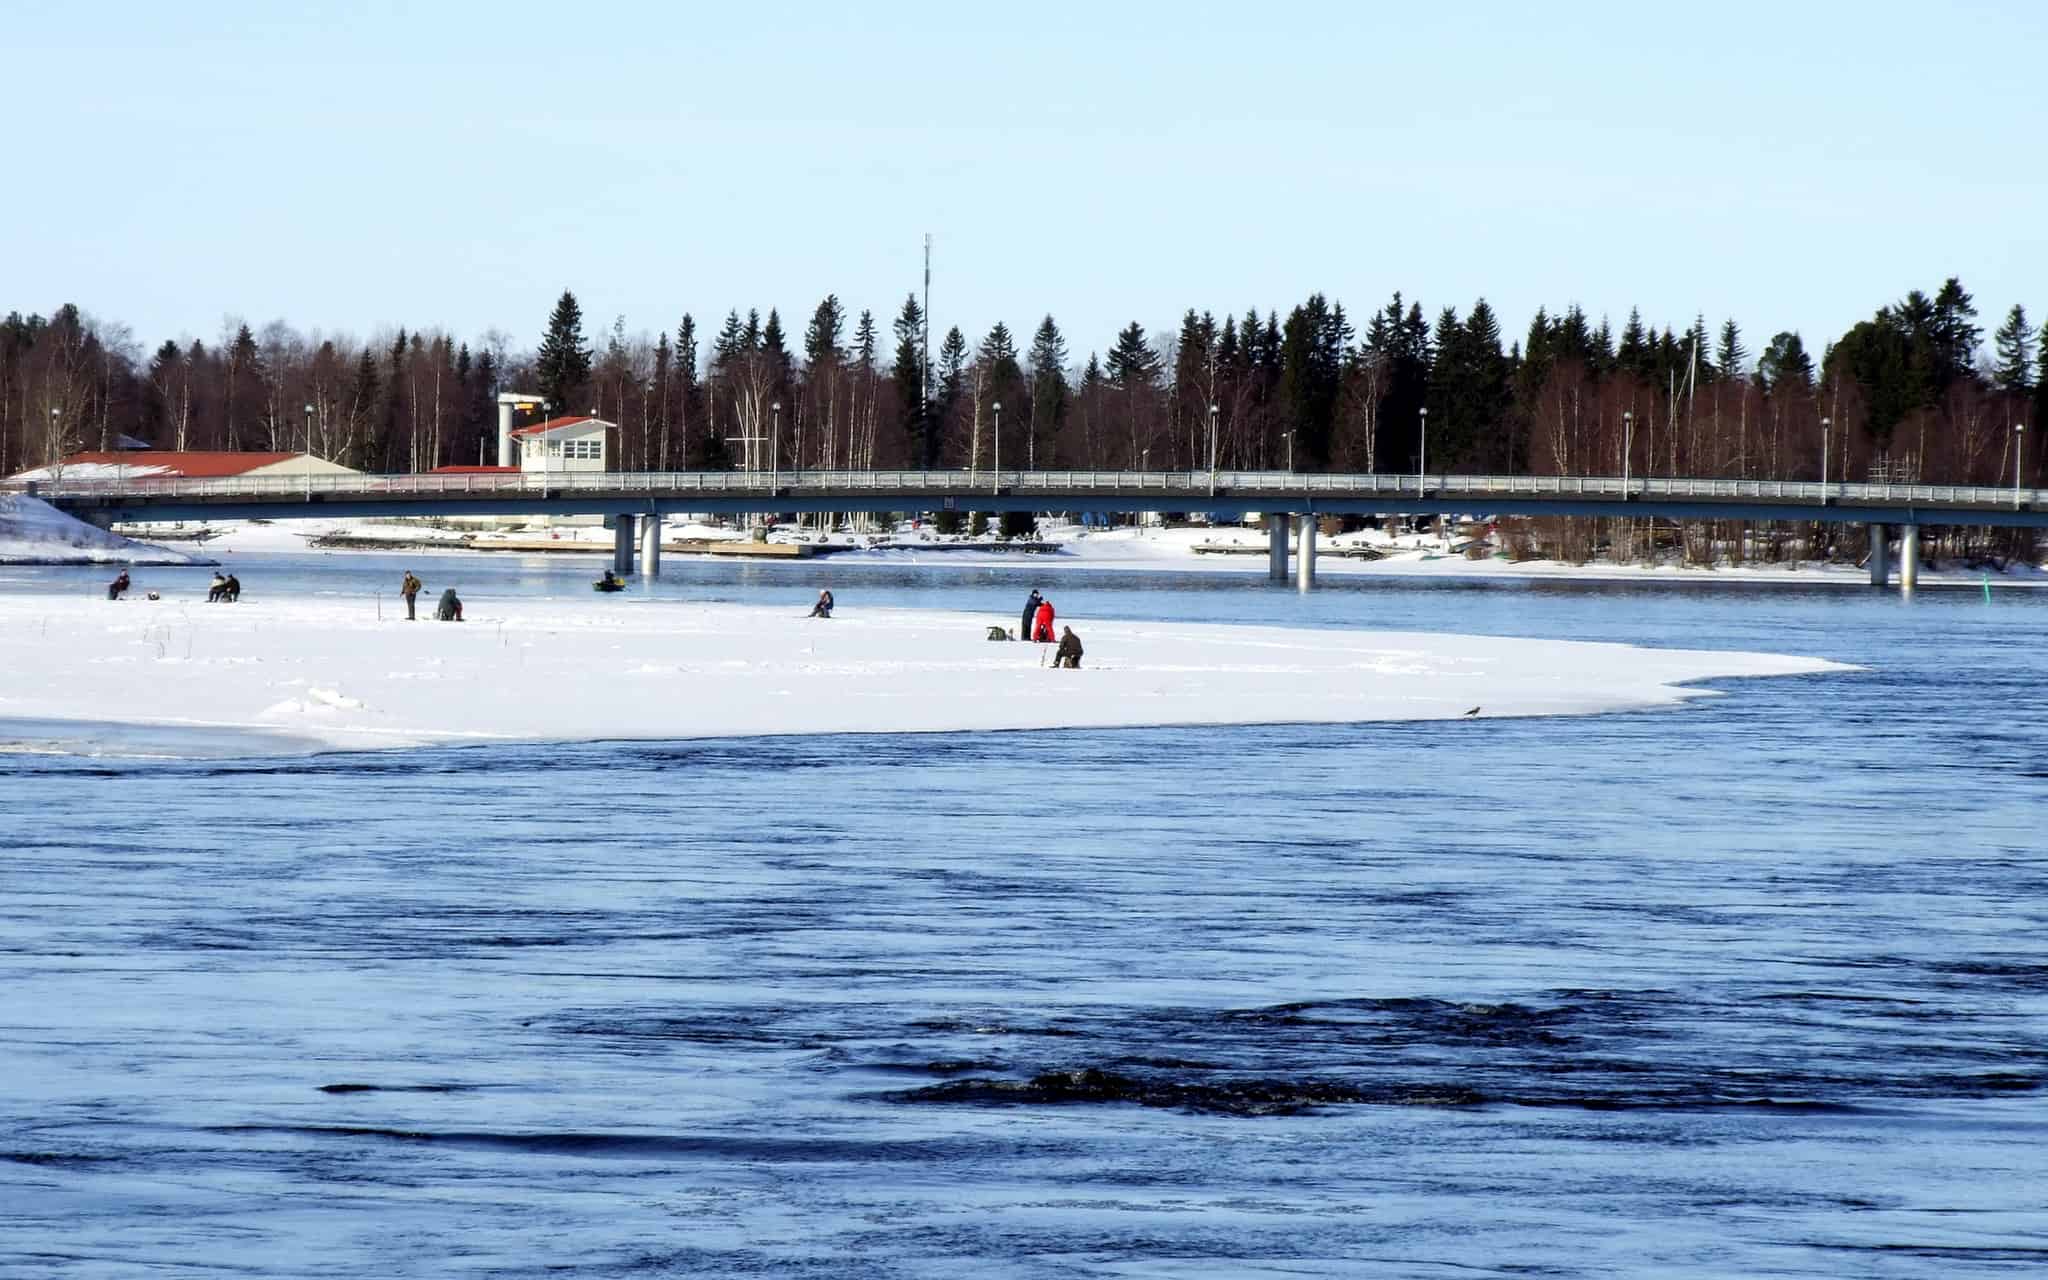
column 1753, row 987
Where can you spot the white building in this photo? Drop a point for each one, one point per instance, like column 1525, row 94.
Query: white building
column 565, row 444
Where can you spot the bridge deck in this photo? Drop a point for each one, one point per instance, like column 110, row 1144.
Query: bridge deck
column 288, row 497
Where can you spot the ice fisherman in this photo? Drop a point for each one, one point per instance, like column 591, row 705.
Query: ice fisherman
column 450, row 608
column 822, row 609
column 216, row 588
column 1068, row 655
column 1030, row 613
column 410, row 589
column 231, row 590
column 117, row 586
column 1041, row 625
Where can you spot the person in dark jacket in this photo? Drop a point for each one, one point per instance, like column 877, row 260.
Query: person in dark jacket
column 117, row 586
column 214, row 589
column 1030, row 614
column 231, row 590
column 410, row 589
column 1068, row 655
column 450, row 608
column 822, row 609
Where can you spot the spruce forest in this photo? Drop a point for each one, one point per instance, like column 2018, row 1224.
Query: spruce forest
column 1914, row 391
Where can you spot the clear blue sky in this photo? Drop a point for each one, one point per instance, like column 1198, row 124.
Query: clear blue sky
column 360, row 165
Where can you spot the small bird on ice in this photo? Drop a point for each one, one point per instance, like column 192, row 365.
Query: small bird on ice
column 1473, row 712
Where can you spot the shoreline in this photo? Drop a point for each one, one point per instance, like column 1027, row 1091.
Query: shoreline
column 1137, row 550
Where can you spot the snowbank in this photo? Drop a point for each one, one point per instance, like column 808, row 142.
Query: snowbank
column 1128, row 547
column 620, row 667
column 34, row 532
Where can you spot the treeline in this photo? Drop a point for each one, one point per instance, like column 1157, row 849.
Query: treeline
column 1912, row 391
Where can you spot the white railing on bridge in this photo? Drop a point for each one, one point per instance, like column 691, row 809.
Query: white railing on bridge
column 1201, row 488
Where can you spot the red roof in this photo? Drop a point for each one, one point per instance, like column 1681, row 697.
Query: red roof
column 553, row 423
column 198, row 465
column 470, row 471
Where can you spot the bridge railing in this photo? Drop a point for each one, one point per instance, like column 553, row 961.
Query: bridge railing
column 1202, row 489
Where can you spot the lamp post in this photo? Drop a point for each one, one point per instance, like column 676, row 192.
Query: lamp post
column 2019, row 447
column 775, row 455
column 1422, row 456
column 1628, row 440
column 1825, row 428
column 996, row 481
column 1288, row 436
column 1212, row 449
column 307, row 464
column 547, row 464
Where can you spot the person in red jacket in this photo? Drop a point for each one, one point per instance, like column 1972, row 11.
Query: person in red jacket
column 1041, row 627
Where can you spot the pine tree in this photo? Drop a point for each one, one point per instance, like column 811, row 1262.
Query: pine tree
column 1955, row 337
column 1134, row 371
column 1730, row 358
column 907, row 375
column 1636, row 354
column 2041, row 405
column 950, row 395
column 1049, row 391
column 1003, row 377
column 2014, row 343
column 562, row 364
column 698, row 445
column 825, row 333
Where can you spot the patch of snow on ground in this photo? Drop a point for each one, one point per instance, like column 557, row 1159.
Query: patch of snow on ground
column 34, row 532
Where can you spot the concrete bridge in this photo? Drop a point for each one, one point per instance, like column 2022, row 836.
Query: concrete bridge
column 645, row 498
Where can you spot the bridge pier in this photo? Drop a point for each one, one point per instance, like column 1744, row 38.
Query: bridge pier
column 1305, row 554
column 1909, row 558
column 1276, row 547
column 1880, row 554
column 622, row 545
column 650, row 546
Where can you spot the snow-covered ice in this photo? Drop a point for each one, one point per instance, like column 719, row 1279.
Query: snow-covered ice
column 333, row 671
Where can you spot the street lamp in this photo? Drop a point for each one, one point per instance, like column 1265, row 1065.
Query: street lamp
column 775, row 454
column 547, row 411
column 1212, row 450
column 1422, row 458
column 1288, row 436
column 1628, row 440
column 1825, row 424
column 307, row 463
column 2019, row 446
column 996, row 482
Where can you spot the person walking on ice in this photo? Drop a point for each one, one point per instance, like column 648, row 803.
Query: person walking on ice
column 410, row 589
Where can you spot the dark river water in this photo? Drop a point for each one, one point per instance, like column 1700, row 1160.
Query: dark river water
column 1755, row 987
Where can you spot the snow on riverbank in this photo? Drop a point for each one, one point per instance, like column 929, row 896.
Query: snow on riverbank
column 1129, row 547
column 34, row 532
column 332, row 672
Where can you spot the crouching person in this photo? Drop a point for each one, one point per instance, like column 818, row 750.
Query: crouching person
column 1069, row 653
column 450, row 608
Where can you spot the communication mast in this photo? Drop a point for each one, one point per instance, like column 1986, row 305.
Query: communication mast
column 924, row 359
